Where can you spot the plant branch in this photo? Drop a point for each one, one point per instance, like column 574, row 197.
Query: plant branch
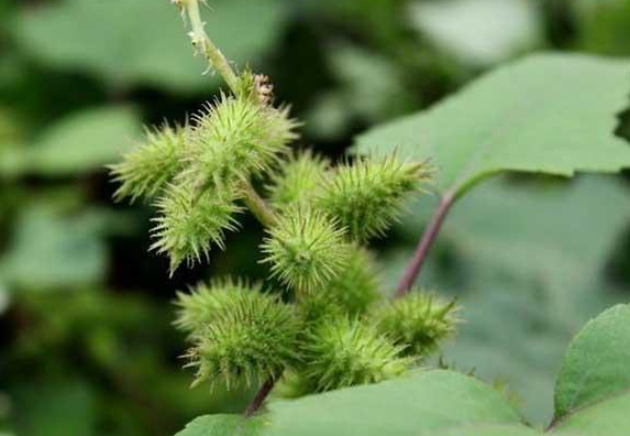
column 267, row 218
column 204, row 44
column 260, row 397
column 425, row 244
column 258, row 206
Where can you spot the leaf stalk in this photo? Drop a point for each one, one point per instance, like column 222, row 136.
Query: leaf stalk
column 426, row 242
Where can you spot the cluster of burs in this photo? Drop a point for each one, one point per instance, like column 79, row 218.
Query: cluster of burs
column 329, row 327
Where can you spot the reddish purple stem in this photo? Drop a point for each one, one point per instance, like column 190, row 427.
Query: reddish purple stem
column 259, row 399
column 425, row 244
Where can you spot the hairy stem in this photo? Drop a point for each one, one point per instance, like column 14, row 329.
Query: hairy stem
column 204, row 44
column 260, row 397
column 425, row 244
column 258, row 206
column 267, row 218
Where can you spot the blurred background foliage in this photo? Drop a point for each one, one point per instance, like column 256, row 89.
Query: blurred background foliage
column 86, row 343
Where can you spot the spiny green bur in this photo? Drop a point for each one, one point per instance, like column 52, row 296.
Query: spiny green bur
column 306, row 249
column 332, row 329
column 147, row 170
column 418, row 322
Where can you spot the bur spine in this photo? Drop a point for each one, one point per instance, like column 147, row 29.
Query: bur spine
column 418, row 322
column 148, row 168
column 201, row 304
column 346, row 352
column 251, row 337
column 368, row 196
column 306, row 249
column 188, row 225
column 299, row 180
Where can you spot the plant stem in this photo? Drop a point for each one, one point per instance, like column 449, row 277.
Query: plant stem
column 267, row 218
column 425, row 244
column 258, row 206
column 203, row 43
column 260, row 397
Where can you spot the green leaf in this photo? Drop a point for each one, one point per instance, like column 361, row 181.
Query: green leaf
column 603, row 25
column 50, row 250
column 460, row 27
column 537, row 226
column 130, row 42
column 56, row 408
column 596, row 363
column 419, row 405
column 222, row 425
column 370, row 87
column 85, row 142
column 609, row 418
column 518, row 118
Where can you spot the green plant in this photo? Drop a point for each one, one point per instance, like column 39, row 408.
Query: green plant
column 328, row 331
column 333, row 330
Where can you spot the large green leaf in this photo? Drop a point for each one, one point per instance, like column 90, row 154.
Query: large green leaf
column 608, row 418
column 547, row 113
column 127, row 42
column 222, row 425
column 596, row 363
column 84, row 142
column 422, row 404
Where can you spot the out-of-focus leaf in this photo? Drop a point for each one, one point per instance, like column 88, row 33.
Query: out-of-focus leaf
column 517, row 119
column 561, row 232
column 479, row 32
column 85, row 141
column 144, row 41
column 603, row 25
column 53, row 250
column 493, row 430
column 595, row 366
column 222, row 425
column 56, row 408
column 609, row 418
column 369, row 87
column 419, row 405
column 12, row 153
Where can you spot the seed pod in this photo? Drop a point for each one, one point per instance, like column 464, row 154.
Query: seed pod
column 189, row 224
column 367, row 197
column 149, row 168
column 300, row 180
column 416, row 322
column 251, row 338
column 344, row 352
column 235, row 139
column 202, row 304
column 306, row 249
column 355, row 289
